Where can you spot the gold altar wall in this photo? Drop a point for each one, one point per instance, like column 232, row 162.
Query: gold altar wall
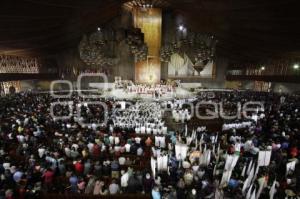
column 149, row 21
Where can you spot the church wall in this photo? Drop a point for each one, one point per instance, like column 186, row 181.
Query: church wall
column 70, row 61
column 126, row 66
column 285, row 87
column 170, row 31
column 275, row 87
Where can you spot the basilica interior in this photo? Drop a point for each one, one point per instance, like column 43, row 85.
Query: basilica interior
column 162, row 99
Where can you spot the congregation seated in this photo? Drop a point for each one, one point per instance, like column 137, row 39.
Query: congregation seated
column 144, row 118
column 135, row 152
column 143, row 88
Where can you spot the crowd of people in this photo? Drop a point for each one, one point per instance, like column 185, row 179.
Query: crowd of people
column 144, row 117
column 80, row 154
column 148, row 89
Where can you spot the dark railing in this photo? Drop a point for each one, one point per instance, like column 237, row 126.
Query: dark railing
column 266, row 78
column 27, row 76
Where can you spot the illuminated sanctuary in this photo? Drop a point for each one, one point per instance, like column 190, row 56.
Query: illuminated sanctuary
column 161, row 99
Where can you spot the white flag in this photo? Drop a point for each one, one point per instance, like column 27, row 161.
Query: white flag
column 249, row 167
column 253, row 194
column 262, row 184
column 273, row 190
column 249, row 192
column 244, row 171
column 290, row 167
column 246, row 184
column 264, row 158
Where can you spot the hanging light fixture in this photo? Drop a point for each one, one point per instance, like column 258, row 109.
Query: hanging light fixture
column 198, row 47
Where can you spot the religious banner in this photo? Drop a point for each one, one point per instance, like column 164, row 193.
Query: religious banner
column 181, row 151
column 290, row 167
column 264, row 158
column 230, row 163
column 273, row 190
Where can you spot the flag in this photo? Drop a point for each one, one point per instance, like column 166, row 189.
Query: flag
column 273, row 190
column 249, row 192
column 246, row 184
column 153, row 166
column 215, row 169
column 249, row 167
column 264, row 158
column 256, row 171
column 244, row 170
column 262, row 185
column 253, row 194
column 225, row 178
column 290, row 167
column 248, row 180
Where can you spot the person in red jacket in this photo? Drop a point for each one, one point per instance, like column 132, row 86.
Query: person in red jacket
column 96, row 150
column 48, row 179
column 79, row 167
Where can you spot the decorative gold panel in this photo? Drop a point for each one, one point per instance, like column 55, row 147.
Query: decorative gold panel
column 149, row 21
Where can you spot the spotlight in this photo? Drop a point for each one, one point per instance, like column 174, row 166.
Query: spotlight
column 181, row 27
column 262, row 68
column 296, row 66
column 99, row 29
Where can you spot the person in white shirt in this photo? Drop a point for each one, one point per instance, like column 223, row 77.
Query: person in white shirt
column 75, row 146
column 21, row 138
column 124, row 179
column 143, row 130
column 90, row 147
column 6, row 165
column 160, row 141
column 122, row 160
column 127, row 147
column 41, row 152
column 111, row 139
column 117, row 140
column 114, row 188
column 68, row 152
column 140, row 151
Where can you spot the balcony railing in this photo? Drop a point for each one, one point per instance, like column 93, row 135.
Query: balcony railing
column 27, row 76
column 266, row 78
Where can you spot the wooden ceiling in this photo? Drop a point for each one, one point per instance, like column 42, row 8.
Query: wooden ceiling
column 246, row 29
column 150, row 3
